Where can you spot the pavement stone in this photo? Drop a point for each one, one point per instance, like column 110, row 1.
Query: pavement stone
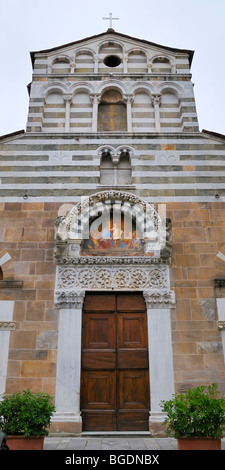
column 111, row 443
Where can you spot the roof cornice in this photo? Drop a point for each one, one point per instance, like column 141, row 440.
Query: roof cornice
column 110, row 33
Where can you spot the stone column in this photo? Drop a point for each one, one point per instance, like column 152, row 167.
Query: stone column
column 156, row 100
column 125, row 61
column 160, row 361
column 67, row 101
column 67, row 399
column 72, row 67
column 221, row 320
column 96, row 64
column 129, row 100
column 6, row 324
column 95, row 99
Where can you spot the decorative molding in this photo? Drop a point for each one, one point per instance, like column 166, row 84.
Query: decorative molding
column 10, row 283
column 76, row 224
column 107, row 260
column 149, row 273
column 7, row 325
column 221, row 325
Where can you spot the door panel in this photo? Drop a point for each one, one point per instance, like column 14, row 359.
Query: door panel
column 99, row 387
column 115, row 374
column 133, row 389
column 132, row 359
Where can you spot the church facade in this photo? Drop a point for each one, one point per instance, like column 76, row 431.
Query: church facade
column 112, row 236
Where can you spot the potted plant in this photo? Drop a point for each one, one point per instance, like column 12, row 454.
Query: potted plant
column 196, row 418
column 25, row 418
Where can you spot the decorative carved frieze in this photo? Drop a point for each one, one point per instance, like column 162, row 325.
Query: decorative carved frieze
column 7, row 325
column 73, row 281
column 113, row 277
column 108, row 260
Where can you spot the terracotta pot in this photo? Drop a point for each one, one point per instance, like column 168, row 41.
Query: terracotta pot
column 198, row 443
column 25, row 443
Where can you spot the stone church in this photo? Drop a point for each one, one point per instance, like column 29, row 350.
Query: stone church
column 112, row 236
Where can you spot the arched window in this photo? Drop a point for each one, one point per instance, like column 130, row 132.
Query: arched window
column 61, row 65
column 170, row 117
column 84, row 62
column 137, row 62
column 161, row 65
column 106, row 169
column 112, row 112
column 118, row 172
column 124, row 169
column 81, row 112
column 54, row 112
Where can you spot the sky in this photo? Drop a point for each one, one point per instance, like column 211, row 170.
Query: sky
column 197, row 25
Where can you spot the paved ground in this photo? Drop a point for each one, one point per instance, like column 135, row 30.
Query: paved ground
column 111, row 443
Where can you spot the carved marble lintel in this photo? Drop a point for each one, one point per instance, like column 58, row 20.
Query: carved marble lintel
column 221, row 325
column 114, row 277
column 7, row 325
column 74, row 281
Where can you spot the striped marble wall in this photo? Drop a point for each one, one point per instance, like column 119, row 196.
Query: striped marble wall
column 91, row 63
column 63, row 168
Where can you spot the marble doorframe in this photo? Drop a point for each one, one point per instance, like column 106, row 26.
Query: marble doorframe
column 144, row 275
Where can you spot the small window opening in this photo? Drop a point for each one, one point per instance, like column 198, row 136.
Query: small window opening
column 112, row 61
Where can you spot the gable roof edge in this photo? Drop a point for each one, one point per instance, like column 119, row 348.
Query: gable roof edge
column 110, row 32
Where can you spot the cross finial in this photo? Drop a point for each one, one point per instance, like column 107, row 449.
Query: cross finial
column 110, row 20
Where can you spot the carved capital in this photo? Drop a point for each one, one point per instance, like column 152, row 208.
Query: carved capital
column 95, row 98
column 69, row 298
column 156, row 99
column 67, row 98
column 159, row 298
column 129, row 99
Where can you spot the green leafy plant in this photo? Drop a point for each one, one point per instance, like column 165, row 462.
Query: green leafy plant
column 198, row 412
column 26, row 413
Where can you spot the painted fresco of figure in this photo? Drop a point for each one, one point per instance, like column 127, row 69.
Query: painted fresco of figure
column 112, row 237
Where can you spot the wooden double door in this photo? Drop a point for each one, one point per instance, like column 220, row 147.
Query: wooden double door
column 115, row 373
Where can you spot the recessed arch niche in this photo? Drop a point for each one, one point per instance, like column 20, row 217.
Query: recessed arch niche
column 112, row 112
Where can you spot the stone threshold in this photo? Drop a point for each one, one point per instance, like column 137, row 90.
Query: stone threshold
column 116, row 434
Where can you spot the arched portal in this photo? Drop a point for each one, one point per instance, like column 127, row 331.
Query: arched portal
column 86, row 284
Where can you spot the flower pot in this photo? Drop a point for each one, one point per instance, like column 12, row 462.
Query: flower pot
column 198, row 443
column 25, row 443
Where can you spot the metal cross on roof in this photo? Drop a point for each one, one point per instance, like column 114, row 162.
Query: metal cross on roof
column 110, row 19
